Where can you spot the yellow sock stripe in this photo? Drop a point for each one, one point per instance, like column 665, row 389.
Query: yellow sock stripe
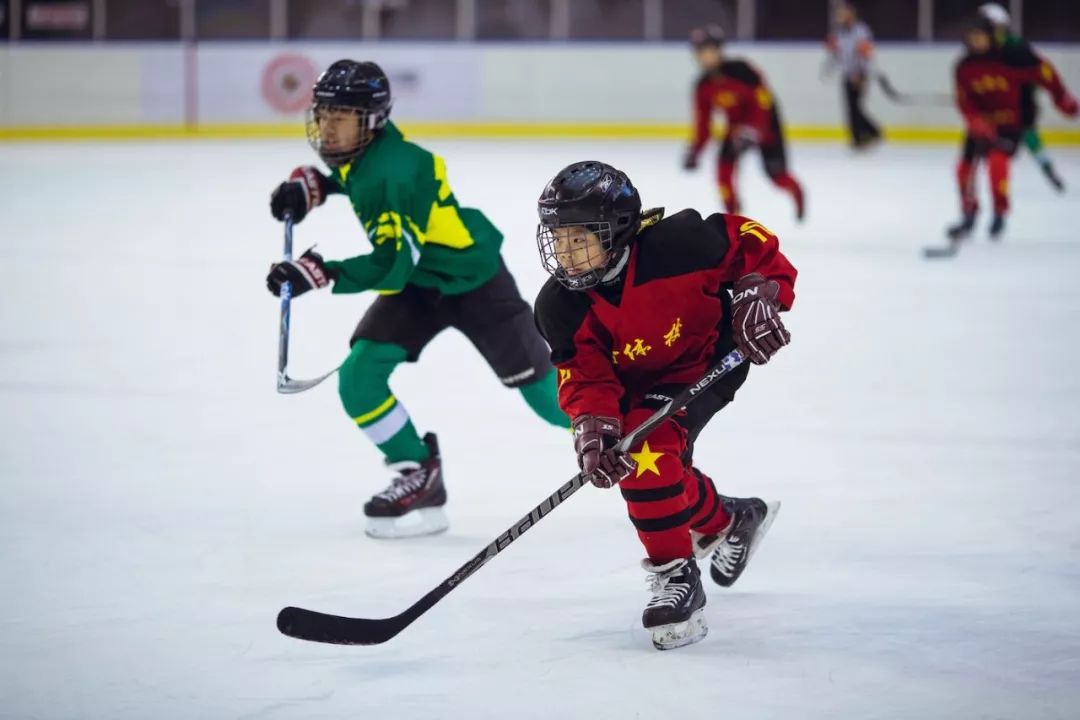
column 377, row 412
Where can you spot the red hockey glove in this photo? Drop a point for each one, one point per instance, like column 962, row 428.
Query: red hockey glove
column 305, row 273
column 305, row 189
column 1068, row 106
column 755, row 318
column 595, row 439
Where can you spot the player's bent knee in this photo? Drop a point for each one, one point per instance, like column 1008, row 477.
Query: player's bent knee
column 369, row 363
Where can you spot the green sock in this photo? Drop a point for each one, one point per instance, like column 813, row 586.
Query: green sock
column 363, row 385
column 543, row 397
column 1034, row 144
column 405, row 444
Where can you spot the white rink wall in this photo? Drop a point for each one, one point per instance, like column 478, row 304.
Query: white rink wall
column 265, row 84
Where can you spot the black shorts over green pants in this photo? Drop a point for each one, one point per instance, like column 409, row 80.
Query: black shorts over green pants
column 494, row 317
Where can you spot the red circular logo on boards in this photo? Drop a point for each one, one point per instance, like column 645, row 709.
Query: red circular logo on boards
column 287, row 81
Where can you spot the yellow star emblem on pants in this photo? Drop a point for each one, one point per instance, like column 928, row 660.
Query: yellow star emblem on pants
column 646, row 460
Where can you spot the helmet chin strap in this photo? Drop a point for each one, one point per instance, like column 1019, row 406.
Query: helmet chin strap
column 617, row 267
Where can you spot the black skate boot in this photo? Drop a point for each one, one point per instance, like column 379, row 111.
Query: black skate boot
column 997, row 227
column 731, row 550
column 673, row 615
column 1053, row 177
column 800, row 205
column 413, row 504
column 962, row 230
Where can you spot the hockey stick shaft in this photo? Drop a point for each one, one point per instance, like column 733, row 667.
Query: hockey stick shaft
column 286, row 306
column 902, row 98
column 286, row 384
column 321, row 627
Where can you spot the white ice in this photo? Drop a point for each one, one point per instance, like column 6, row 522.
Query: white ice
column 160, row 502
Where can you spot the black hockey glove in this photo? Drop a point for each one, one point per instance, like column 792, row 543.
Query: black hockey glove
column 755, row 318
column 690, row 159
column 305, row 189
column 303, row 274
column 595, row 439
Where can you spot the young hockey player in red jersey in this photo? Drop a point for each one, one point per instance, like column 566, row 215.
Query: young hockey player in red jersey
column 989, row 81
column 638, row 307
column 753, row 118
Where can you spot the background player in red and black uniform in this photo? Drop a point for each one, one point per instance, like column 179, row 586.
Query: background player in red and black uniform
column 998, row 17
column 638, row 307
column 989, row 81
column 753, row 119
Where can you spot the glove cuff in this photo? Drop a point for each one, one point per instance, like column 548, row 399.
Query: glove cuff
column 755, row 286
column 313, row 271
column 313, row 183
column 597, row 424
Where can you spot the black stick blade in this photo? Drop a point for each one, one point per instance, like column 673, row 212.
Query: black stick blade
column 336, row 630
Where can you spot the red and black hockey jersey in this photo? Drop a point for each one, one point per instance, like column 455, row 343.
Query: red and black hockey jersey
column 989, row 86
column 659, row 324
column 739, row 91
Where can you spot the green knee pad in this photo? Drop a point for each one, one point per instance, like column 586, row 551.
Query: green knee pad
column 363, row 380
column 543, row 397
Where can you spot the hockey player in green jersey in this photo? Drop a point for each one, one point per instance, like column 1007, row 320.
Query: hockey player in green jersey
column 435, row 265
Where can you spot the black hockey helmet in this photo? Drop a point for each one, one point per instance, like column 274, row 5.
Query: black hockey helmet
column 361, row 88
column 599, row 212
column 981, row 35
column 707, row 36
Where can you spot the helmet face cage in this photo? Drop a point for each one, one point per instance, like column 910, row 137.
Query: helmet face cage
column 369, row 124
column 576, row 270
column 707, row 36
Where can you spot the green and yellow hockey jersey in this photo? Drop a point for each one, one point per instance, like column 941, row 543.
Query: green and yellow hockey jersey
column 419, row 233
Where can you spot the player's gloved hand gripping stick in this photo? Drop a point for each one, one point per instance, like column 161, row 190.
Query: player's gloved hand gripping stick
column 286, row 384
column 320, row 627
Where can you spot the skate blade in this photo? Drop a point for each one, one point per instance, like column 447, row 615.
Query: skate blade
column 677, row 635
column 417, row 523
column 944, row 251
column 759, row 534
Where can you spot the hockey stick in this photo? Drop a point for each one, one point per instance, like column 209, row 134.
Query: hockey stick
column 320, row 627
column 932, row 99
column 286, row 384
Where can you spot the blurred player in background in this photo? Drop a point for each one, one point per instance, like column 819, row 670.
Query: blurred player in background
column 753, row 119
column 637, row 308
column 851, row 47
column 999, row 19
column 989, row 82
column 434, row 264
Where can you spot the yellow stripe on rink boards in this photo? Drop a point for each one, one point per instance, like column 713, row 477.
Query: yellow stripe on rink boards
column 479, row 130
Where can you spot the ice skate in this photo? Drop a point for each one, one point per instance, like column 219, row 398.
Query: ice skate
column 956, row 234
column 732, row 548
column 997, row 227
column 800, row 205
column 413, row 503
column 962, row 230
column 1052, row 177
column 674, row 614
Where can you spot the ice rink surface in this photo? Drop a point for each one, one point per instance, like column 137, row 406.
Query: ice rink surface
column 161, row 502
